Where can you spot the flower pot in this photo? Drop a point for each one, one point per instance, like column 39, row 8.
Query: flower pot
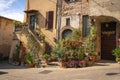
column 92, row 58
column 31, row 65
column 90, row 63
column 62, row 64
column 83, row 63
column 53, row 58
column 118, row 60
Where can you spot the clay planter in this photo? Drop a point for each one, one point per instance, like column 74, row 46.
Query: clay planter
column 90, row 63
column 31, row 65
column 82, row 63
column 62, row 64
column 92, row 58
column 118, row 60
column 53, row 59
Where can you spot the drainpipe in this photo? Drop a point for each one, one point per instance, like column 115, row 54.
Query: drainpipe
column 58, row 13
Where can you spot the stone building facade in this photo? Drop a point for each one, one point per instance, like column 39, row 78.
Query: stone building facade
column 104, row 15
column 6, row 36
column 70, row 17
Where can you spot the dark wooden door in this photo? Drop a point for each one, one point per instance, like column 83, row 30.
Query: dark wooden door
column 108, row 40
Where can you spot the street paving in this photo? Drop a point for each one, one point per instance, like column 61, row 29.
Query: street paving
column 100, row 71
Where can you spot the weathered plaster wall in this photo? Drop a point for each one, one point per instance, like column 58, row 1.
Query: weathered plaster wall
column 74, row 21
column 105, row 7
column 6, row 34
column 73, row 11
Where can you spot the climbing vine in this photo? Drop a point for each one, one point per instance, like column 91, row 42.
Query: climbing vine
column 33, row 46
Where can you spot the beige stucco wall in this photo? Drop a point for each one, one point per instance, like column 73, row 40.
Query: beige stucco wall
column 6, row 33
column 44, row 6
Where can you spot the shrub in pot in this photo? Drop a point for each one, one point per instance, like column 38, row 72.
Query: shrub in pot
column 116, row 53
column 46, row 57
column 30, row 60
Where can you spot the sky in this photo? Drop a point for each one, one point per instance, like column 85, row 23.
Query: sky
column 13, row 9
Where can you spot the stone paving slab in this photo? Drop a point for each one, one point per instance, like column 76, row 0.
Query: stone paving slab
column 101, row 71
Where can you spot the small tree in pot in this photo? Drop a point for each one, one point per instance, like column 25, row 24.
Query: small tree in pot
column 116, row 53
column 30, row 60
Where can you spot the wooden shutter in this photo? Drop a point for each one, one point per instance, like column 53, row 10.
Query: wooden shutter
column 50, row 22
column 86, row 27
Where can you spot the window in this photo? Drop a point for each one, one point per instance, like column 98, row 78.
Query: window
column 71, row 0
column 86, row 27
column 49, row 19
column 68, row 22
column 32, row 22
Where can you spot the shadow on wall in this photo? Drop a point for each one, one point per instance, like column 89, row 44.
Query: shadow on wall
column 48, row 48
column 4, row 51
column 41, row 20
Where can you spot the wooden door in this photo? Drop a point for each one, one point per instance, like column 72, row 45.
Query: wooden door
column 108, row 40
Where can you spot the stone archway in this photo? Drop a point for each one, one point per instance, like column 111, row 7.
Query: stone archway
column 66, row 33
column 108, row 29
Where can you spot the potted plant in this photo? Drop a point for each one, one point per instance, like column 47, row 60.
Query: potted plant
column 92, row 56
column 30, row 60
column 46, row 57
column 116, row 53
column 53, row 56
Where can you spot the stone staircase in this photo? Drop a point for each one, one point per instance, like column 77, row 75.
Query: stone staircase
column 49, row 37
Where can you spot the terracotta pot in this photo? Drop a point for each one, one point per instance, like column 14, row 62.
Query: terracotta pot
column 53, row 58
column 92, row 58
column 62, row 64
column 31, row 65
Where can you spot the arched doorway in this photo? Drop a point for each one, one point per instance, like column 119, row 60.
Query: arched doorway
column 67, row 33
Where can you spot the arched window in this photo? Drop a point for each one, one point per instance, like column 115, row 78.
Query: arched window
column 66, row 33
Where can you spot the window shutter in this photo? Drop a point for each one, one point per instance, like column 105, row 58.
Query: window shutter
column 50, row 21
column 86, row 27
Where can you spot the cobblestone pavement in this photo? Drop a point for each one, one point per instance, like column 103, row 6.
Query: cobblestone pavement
column 100, row 71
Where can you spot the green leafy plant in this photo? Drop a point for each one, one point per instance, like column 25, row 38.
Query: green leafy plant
column 46, row 56
column 17, row 53
column 59, row 50
column 77, row 34
column 90, row 42
column 116, row 52
column 32, row 46
column 80, row 53
column 30, row 59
